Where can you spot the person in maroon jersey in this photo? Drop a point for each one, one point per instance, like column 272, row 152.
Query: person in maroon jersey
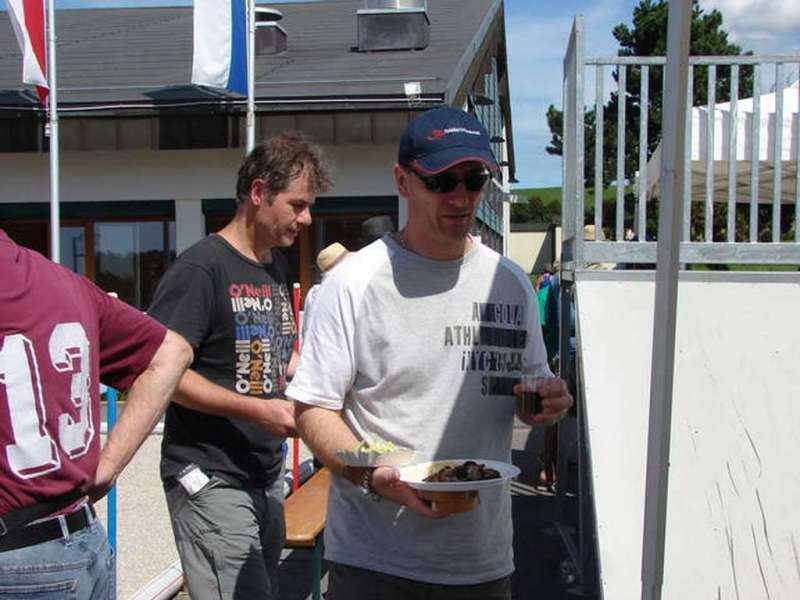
column 60, row 336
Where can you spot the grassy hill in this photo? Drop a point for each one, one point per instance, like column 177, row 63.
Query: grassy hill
column 549, row 195
column 547, row 205
column 552, row 195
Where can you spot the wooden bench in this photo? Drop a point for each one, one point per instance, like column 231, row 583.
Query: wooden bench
column 305, row 511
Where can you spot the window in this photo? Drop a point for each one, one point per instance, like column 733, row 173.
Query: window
column 334, row 219
column 127, row 257
column 131, row 257
column 73, row 248
column 19, row 133
column 292, row 253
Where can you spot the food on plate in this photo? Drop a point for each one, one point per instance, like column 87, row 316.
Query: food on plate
column 452, row 486
column 466, row 471
column 379, row 446
column 376, row 452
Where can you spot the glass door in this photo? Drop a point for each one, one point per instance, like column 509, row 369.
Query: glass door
column 131, row 257
column 73, row 248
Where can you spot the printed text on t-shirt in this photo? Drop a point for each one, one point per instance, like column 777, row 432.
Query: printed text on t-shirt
column 264, row 330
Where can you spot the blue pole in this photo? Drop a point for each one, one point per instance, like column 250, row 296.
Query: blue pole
column 111, row 503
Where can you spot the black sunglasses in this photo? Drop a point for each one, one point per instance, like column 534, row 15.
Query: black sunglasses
column 443, row 183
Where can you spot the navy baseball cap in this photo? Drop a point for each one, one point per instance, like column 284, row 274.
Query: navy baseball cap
column 442, row 137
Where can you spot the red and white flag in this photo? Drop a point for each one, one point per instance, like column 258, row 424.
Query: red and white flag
column 28, row 21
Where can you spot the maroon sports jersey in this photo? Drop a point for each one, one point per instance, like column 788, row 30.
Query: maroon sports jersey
column 60, row 335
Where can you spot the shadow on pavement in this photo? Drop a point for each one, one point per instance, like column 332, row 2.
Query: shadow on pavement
column 538, row 549
column 294, row 575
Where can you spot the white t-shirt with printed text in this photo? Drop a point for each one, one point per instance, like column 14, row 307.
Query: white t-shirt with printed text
column 422, row 353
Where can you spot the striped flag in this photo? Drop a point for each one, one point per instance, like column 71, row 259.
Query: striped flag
column 220, row 44
column 27, row 19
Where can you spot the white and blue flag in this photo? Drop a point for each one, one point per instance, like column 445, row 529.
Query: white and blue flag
column 220, row 44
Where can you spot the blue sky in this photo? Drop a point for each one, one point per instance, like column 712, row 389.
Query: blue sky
column 537, row 33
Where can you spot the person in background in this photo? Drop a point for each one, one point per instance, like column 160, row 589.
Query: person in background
column 550, row 308
column 420, row 339
column 542, row 290
column 548, row 296
column 221, row 460
column 547, row 273
column 60, row 336
column 327, row 259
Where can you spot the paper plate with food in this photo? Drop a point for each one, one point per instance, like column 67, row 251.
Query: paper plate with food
column 458, row 474
column 377, row 453
column 454, row 485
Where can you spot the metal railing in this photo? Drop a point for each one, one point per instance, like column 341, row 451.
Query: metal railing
column 731, row 162
column 740, row 153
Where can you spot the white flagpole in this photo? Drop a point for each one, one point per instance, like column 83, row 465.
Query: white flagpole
column 251, row 77
column 52, row 118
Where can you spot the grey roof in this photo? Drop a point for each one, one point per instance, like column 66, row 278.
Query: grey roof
column 129, row 58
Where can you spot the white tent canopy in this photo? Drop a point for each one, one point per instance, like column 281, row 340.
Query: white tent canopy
column 742, row 135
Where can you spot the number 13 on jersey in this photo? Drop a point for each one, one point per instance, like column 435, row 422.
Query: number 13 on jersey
column 34, row 451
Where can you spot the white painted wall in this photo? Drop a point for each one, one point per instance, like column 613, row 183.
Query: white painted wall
column 186, row 176
column 530, row 249
column 363, row 170
column 190, row 222
column 402, row 212
column 169, row 174
column 732, row 519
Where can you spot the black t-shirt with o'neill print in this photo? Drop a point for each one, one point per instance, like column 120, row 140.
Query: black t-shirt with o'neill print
column 237, row 315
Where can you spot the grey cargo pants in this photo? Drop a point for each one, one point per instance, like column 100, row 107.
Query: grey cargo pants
column 229, row 539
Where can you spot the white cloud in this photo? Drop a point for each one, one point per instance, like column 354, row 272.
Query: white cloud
column 754, row 15
column 763, row 26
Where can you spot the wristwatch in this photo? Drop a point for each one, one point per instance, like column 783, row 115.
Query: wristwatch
column 365, row 485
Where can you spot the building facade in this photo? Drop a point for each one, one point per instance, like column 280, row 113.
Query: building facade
column 148, row 162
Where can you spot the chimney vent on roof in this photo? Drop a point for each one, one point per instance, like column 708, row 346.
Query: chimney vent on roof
column 270, row 37
column 393, row 25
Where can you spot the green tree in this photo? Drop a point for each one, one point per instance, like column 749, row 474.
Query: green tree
column 647, row 36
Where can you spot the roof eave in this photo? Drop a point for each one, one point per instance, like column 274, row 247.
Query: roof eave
column 135, row 108
column 466, row 70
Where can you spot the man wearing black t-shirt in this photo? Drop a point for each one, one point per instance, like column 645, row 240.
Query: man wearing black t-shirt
column 228, row 295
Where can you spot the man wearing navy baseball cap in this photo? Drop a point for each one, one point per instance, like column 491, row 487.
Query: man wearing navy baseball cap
column 443, row 137
column 421, row 339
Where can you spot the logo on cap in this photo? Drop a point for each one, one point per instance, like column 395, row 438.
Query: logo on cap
column 440, row 133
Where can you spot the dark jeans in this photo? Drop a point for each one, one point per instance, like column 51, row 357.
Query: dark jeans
column 352, row 583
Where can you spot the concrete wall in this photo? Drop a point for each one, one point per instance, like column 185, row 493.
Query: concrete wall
column 532, row 250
